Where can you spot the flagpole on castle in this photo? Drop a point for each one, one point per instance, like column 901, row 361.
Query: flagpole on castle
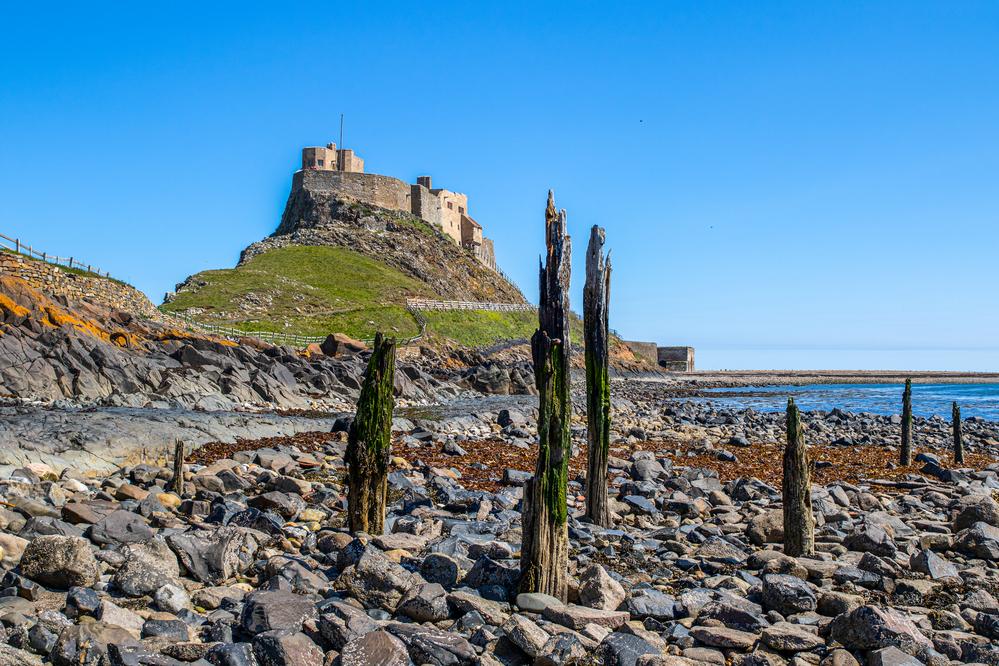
column 341, row 131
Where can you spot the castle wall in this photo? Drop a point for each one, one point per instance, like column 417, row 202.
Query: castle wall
column 54, row 281
column 369, row 188
column 471, row 232
column 347, row 160
column 453, row 206
column 486, row 254
column 426, row 205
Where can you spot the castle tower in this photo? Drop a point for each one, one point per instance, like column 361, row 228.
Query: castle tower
column 320, row 159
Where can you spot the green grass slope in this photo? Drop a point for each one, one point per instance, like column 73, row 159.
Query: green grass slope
column 305, row 290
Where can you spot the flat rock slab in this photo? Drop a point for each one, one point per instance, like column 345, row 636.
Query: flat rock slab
column 577, row 617
column 722, row 637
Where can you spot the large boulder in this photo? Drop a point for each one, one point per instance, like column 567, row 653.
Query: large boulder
column 976, row 509
column 268, row 610
column 598, row 590
column 980, row 540
column 375, row 647
column 768, row 527
column 147, row 568
column 87, row 644
column 214, row 557
column 433, row 646
column 376, row 581
column 788, row 594
column 285, row 647
column 60, row 561
column 873, row 628
column 121, row 527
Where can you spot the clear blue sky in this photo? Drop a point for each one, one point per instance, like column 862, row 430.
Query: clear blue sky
column 782, row 183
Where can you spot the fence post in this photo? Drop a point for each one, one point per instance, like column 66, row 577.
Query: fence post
column 71, row 262
column 17, row 245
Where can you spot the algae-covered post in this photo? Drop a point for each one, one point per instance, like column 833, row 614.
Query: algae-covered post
column 544, row 560
column 905, row 454
column 799, row 523
column 958, row 435
column 369, row 441
column 596, row 306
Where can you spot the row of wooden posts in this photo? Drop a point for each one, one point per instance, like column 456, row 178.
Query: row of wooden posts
column 799, row 522
column 545, row 547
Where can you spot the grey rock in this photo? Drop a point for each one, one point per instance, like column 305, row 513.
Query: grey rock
column 286, row 648
column 787, row 637
column 622, row 649
column 432, row 646
column 526, row 635
column 268, row 610
column 147, row 567
column 60, row 561
column 598, row 590
column 788, row 594
column 215, row 556
column 375, row 647
column 425, row 603
column 873, row 628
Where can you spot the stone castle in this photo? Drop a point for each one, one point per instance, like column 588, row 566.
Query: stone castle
column 342, row 171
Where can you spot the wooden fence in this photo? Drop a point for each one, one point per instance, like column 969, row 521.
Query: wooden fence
column 18, row 247
column 425, row 304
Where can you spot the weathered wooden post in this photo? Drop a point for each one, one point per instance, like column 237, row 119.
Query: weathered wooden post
column 596, row 305
column 178, row 468
column 905, row 455
column 544, row 560
column 369, row 441
column 958, row 435
column 799, row 523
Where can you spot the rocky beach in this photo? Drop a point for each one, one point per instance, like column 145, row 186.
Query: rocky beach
column 251, row 564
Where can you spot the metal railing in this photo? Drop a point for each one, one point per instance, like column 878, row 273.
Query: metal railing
column 426, row 304
column 18, row 247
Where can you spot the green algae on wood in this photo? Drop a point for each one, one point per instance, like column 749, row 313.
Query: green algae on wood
column 545, row 549
column 369, row 442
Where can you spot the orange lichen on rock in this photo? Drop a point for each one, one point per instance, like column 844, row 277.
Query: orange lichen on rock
column 58, row 318
column 8, row 305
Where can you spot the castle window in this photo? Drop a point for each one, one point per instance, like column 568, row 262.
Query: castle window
column 320, row 162
column 461, row 209
column 450, row 205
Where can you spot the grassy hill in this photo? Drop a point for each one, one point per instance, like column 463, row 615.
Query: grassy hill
column 306, row 290
column 339, row 266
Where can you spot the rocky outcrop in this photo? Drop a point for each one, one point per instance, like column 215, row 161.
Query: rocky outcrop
column 398, row 239
column 86, row 354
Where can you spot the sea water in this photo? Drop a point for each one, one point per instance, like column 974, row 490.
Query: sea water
column 980, row 400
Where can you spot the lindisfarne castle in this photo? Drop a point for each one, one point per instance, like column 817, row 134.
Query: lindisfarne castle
column 341, row 171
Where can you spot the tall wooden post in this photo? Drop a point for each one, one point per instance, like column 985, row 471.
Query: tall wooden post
column 799, row 523
column 596, row 305
column 905, row 455
column 178, row 468
column 544, row 560
column 369, row 442
column 958, row 435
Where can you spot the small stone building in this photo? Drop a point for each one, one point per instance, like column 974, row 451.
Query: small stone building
column 678, row 359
